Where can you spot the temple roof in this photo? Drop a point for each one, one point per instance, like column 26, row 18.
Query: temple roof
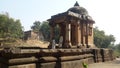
column 78, row 9
column 76, row 4
column 76, row 12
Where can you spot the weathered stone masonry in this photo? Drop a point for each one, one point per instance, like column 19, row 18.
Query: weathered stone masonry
column 26, row 57
column 76, row 28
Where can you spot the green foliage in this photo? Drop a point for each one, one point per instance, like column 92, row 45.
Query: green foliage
column 85, row 65
column 36, row 26
column 10, row 28
column 116, row 53
column 117, row 47
column 45, row 29
column 101, row 40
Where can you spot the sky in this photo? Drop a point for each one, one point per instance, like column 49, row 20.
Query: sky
column 105, row 12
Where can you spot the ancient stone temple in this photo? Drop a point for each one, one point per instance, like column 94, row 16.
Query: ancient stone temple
column 75, row 47
column 76, row 27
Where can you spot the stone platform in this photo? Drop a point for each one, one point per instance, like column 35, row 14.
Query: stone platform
column 28, row 57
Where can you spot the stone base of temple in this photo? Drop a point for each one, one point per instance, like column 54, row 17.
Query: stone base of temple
column 28, row 57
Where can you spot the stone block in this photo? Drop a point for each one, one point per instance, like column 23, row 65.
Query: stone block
column 23, row 66
column 48, row 59
column 18, row 66
column 72, row 64
column 46, row 65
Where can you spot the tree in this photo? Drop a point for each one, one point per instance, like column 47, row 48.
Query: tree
column 117, row 50
column 118, row 47
column 45, row 29
column 101, row 40
column 36, row 26
column 42, row 27
column 10, row 28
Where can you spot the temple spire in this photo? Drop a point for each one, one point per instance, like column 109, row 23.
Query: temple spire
column 76, row 4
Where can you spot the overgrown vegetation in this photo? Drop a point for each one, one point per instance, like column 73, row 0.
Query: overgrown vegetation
column 10, row 29
column 102, row 40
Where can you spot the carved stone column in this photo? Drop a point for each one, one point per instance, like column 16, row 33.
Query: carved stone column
column 77, row 33
column 68, row 35
column 52, row 35
column 81, row 26
column 90, row 35
column 86, row 36
column 83, row 34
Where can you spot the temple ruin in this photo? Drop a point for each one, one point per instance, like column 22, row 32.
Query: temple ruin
column 75, row 47
column 76, row 27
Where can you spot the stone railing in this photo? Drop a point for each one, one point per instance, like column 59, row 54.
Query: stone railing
column 13, row 57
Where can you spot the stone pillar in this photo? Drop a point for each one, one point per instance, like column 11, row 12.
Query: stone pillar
column 86, row 36
column 52, row 35
column 83, row 34
column 77, row 34
column 81, row 25
column 90, row 35
column 68, row 35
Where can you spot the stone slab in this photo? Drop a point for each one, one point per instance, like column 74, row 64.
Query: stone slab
column 73, row 64
column 24, row 66
column 46, row 65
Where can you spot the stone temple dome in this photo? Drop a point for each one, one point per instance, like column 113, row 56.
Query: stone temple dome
column 78, row 9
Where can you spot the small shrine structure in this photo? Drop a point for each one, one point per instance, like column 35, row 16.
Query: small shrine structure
column 76, row 27
column 75, row 45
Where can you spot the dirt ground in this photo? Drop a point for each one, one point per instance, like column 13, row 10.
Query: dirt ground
column 110, row 64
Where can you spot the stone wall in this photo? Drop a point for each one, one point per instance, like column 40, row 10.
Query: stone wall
column 26, row 57
column 103, row 55
column 31, row 35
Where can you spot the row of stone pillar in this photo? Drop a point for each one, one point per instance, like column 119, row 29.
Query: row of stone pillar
column 81, row 33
